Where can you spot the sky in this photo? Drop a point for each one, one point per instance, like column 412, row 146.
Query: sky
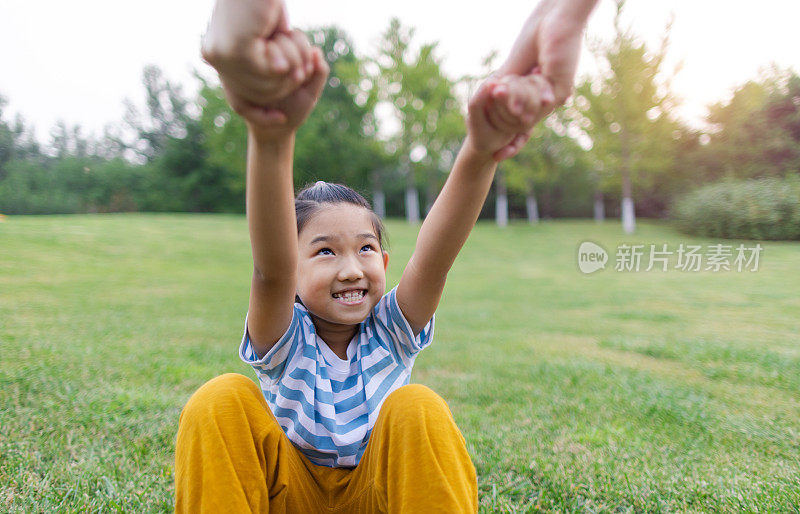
column 77, row 61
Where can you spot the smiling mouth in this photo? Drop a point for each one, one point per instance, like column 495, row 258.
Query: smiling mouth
column 351, row 297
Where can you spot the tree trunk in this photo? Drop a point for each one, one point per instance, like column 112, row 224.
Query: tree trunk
column 501, row 201
column 378, row 198
column 628, row 211
column 530, row 204
column 412, row 196
column 599, row 207
column 412, row 205
column 430, row 190
column 379, row 203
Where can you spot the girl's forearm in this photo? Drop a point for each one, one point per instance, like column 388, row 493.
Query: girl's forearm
column 270, row 207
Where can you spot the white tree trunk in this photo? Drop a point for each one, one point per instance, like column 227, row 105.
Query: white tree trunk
column 628, row 215
column 501, row 199
column 533, row 209
column 599, row 208
column 501, row 210
column 412, row 205
column 379, row 203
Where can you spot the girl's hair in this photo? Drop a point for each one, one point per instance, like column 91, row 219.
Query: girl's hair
column 313, row 198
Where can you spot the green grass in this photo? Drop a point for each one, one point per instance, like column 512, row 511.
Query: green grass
column 611, row 392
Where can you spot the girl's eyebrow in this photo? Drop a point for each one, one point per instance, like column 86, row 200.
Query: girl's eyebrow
column 329, row 238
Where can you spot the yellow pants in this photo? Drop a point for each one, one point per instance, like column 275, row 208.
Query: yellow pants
column 232, row 456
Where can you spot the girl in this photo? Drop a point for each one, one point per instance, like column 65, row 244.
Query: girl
column 334, row 427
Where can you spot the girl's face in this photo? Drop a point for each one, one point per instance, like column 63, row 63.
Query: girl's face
column 341, row 269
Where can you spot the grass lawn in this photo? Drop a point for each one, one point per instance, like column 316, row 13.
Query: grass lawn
column 610, row 392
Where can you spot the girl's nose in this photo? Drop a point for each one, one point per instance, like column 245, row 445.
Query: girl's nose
column 351, row 270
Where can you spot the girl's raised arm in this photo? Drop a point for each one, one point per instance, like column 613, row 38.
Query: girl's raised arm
column 270, row 197
column 501, row 116
column 273, row 237
column 443, row 233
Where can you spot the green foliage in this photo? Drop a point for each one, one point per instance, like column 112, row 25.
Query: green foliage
column 626, row 112
column 16, row 140
column 553, row 167
column 337, row 142
column 765, row 209
column 756, row 133
column 166, row 115
column 422, row 99
column 224, row 139
column 70, row 185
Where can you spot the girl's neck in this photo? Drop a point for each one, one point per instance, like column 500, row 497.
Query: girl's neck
column 335, row 335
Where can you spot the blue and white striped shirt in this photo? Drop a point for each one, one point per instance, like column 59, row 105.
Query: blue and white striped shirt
column 327, row 406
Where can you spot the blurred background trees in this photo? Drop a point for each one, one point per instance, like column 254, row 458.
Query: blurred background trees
column 389, row 124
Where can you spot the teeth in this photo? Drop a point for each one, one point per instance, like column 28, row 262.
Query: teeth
column 350, row 296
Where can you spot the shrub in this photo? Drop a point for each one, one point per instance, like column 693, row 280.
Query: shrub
column 766, row 209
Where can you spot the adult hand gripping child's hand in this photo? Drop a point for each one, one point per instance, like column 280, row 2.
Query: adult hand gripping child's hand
column 285, row 115
column 503, row 112
column 242, row 43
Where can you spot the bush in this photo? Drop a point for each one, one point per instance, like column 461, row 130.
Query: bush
column 766, row 209
column 70, row 185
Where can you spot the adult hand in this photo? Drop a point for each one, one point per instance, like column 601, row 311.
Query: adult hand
column 289, row 112
column 551, row 41
column 240, row 44
column 503, row 112
column 550, row 45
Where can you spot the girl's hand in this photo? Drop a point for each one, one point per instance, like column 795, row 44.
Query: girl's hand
column 503, row 112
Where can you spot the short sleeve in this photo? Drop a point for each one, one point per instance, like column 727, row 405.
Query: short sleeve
column 273, row 364
column 399, row 329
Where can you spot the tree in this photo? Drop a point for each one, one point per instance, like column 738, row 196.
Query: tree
column 17, row 141
column 224, row 140
column 552, row 163
column 166, row 116
column 336, row 143
column 421, row 97
column 757, row 132
column 627, row 115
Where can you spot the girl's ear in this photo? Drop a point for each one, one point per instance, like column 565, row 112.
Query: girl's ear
column 385, row 259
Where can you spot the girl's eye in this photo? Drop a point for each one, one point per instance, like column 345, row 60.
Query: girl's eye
column 368, row 247
column 325, row 251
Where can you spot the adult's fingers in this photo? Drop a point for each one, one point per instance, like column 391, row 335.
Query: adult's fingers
column 294, row 56
column 545, row 97
column 276, row 61
column 495, row 119
column 321, row 69
column 306, row 53
column 504, row 105
column 534, row 96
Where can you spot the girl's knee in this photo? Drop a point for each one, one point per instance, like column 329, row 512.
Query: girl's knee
column 219, row 395
column 416, row 398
